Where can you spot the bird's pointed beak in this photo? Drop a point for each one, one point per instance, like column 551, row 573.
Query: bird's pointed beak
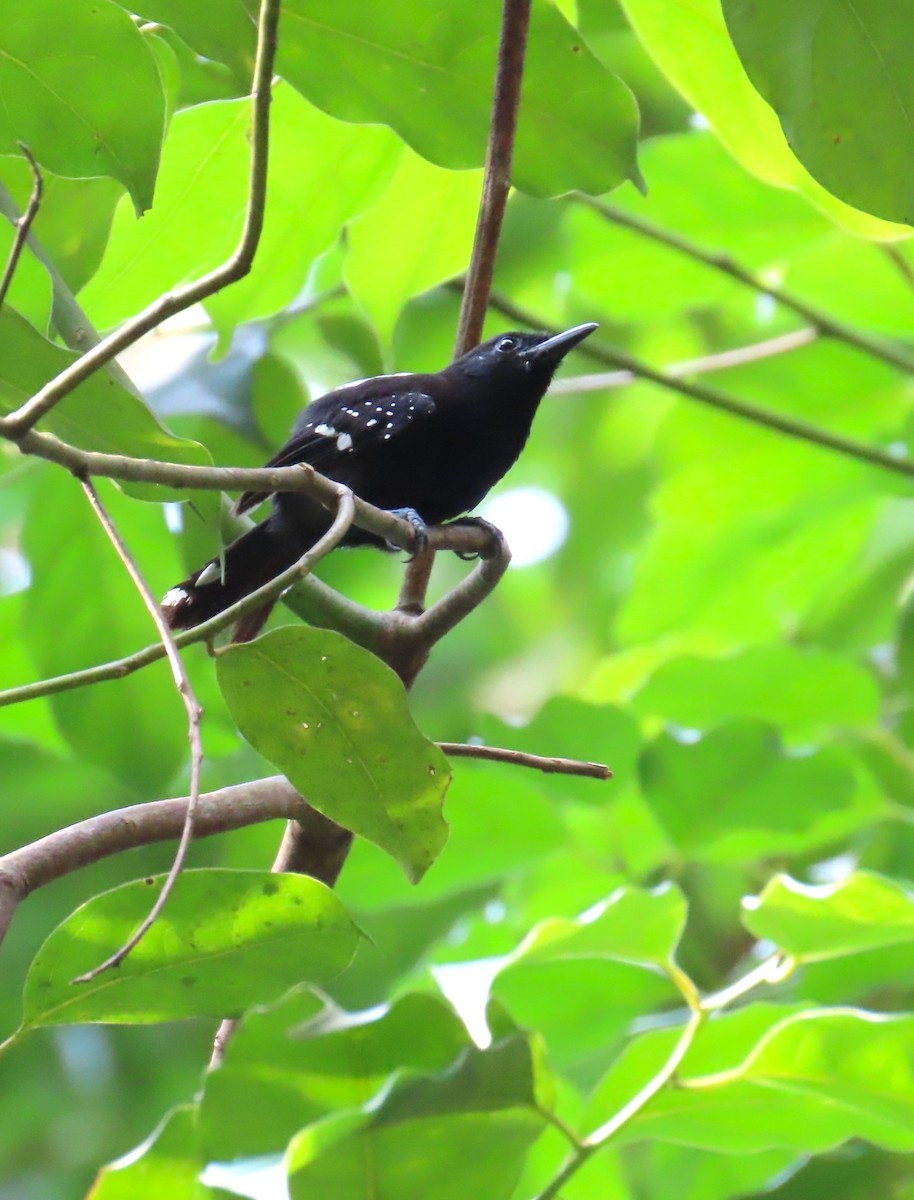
column 559, row 344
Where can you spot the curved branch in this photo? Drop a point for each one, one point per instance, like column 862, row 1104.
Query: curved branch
column 175, row 301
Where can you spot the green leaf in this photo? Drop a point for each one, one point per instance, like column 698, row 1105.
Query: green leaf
column 860, row 913
column 301, row 1060
column 690, row 44
column 73, row 222
column 634, row 926
column 468, row 1128
column 88, row 103
column 335, row 720
column 226, row 940
column 559, row 979
column 734, row 795
column 430, row 76
column 440, row 1158
column 98, row 415
column 797, row 689
column 419, row 234
column 840, row 82
column 507, row 1074
column 192, row 230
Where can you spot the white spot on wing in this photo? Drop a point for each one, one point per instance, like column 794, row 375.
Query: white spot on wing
column 325, row 430
column 344, row 442
column 173, row 597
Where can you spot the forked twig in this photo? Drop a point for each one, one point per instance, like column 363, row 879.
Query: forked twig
column 23, row 224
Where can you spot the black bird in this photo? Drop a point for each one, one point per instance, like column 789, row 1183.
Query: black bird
column 427, row 447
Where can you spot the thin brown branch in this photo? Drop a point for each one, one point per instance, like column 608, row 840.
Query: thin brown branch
column 889, row 352
column 175, row 301
column 804, row 431
column 497, row 181
column 23, row 224
column 31, row 867
column 194, row 713
column 416, row 579
column 519, row 758
column 723, row 360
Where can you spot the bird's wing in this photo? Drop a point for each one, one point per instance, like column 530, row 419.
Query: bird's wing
column 328, row 435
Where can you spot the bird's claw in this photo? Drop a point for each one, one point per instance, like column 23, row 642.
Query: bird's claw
column 478, row 523
column 419, row 527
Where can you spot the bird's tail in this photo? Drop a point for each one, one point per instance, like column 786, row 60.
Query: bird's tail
column 253, row 560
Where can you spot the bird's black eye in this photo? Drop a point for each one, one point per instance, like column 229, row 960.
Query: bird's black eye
column 505, row 345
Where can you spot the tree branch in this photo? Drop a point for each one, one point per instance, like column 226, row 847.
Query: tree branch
column 299, row 478
column 23, row 224
column 175, row 301
column 497, row 181
column 519, row 758
column 820, row 320
column 30, row 867
column 451, row 609
column 804, row 431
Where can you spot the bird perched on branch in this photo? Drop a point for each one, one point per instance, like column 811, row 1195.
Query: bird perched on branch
column 426, row 447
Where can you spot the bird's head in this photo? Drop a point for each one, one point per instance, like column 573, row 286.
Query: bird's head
column 522, row 355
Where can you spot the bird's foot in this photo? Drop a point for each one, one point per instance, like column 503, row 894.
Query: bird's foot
column 493, row 531
column 420, row 530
